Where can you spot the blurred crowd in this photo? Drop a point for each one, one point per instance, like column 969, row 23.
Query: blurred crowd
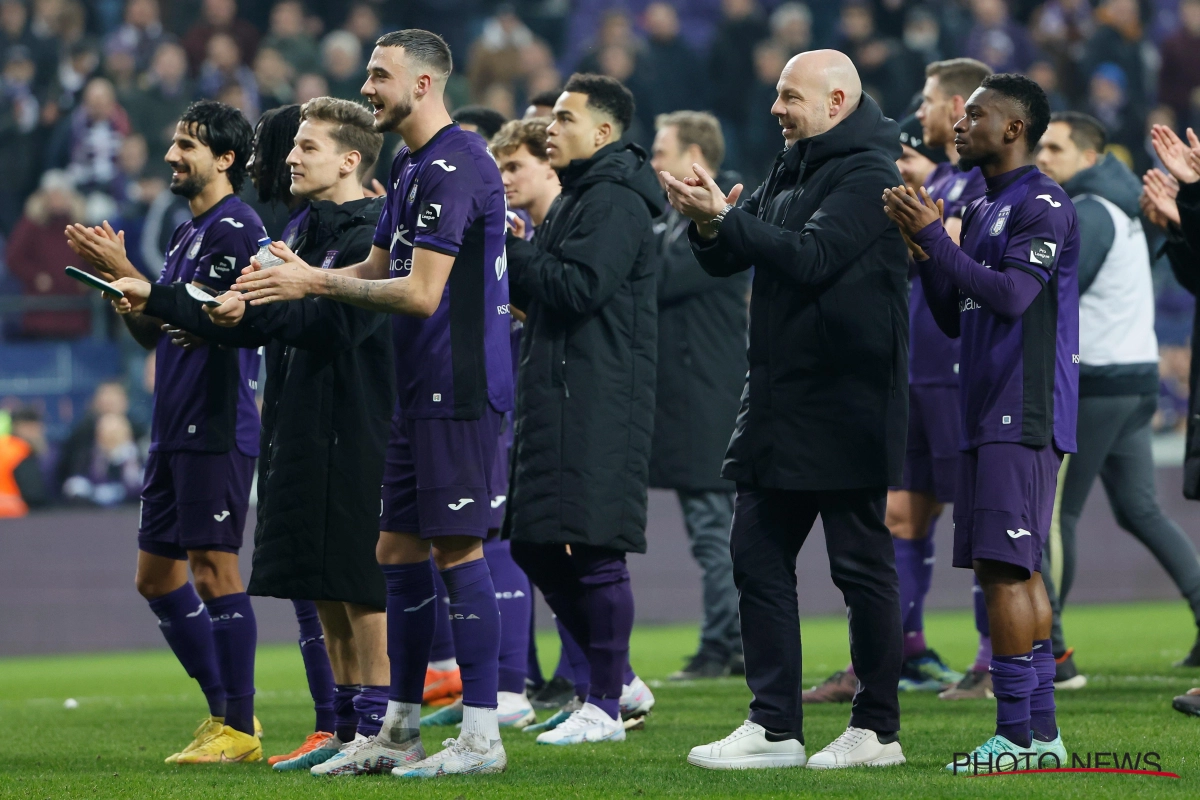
column 90, row 91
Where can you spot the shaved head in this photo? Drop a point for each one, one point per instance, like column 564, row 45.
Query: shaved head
column 817, row 90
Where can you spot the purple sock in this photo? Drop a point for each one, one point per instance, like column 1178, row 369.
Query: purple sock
column 185, row 624
column 370, row 705
column 475, row 621
column 316, row 663
column 1041, row 702
column 914, row 644
column 411, row 606
column 345, row 717
column 916, row 616
column 1013, row 682
column 235, row 637
column 514, row 596
column 909, row 554
column 577, row 670
column 608, row 602
column 443, row 639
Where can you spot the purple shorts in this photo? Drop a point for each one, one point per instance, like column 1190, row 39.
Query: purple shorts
column 194, row 501
column 1004, row 504
column 438, row 476
column 931, row 457
column 499, row 485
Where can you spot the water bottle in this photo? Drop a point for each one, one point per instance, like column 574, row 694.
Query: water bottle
column 265, row 257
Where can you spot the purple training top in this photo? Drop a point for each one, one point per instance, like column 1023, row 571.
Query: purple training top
column 447, row 197
column 204, row 397
column 933, row 356
column 1019, row 377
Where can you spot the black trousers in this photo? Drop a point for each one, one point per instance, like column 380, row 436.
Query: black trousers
column 769, row 527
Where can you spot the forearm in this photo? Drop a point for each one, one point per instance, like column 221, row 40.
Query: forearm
column 1007, row 292
column 145, row 330
column 941, row 296
column 390, row 296
column 364, row 270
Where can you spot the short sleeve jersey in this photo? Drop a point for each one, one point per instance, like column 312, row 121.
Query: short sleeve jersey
column 933, row 356
column 204, row 397
column 1020, row 377
column 447, row 197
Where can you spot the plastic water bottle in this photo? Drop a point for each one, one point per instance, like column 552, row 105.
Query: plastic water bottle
column 265, row 257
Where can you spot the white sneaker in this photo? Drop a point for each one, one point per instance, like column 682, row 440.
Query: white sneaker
column 514, row 710
column 857, row 747
column 588, row 724
column 370, row 755
column 636, row 700
column 747, row 748
column 469, row 754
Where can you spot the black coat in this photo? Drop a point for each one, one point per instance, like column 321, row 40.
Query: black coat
column 701, row 361
column 585, row 386
column 826, row 402
column 1183, row 250
column 327, row 406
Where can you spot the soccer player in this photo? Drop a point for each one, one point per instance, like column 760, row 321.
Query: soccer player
column 327, row 410
column 1010, row 294
column 204, row 436
column 438, row 265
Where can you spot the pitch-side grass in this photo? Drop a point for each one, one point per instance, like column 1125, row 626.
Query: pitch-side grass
column 135, row 708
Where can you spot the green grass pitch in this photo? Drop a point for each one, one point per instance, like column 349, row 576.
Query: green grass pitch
column 135, row 708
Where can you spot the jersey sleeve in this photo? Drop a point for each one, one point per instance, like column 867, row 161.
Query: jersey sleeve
column 226, row 250
column 450, row 193
column 386, row 223
column 1041, row 226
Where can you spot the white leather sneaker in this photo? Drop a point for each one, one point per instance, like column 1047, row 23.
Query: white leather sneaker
column 857, row 747
column 748, row 748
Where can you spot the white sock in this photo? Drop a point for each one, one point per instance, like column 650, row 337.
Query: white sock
column 482, row 721
column 445, row 665
column 401, row 722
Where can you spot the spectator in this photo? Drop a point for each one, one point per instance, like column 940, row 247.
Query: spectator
column 996, row 40
column 615, row 31
column 273, row 74
column 158, row 103
column 1180, row 72
column 921, row 38
column 879, row 60
column 110, row 471
column 495, row 56
column 619, row 62
column 14, row 31
column 764, row 138
column 109, row 397
column 38, row 253
column 731, row 70
column 1042, row 73
column 1108, row 102
column 542, row 103
column 140, row 34
column 224, row 67
column 18, row 121
column 791, row 28
column 219, row 16
column 499, row 97
column 484, row 121
column 289, row 37
column 1118, row 40
column 120, row 68
column 1061, row 29
column 97, row 128
column 310, row 85
column 363, row 22
column 668, row 66
column 71, row 75
column 341, row 55
column 22, row 486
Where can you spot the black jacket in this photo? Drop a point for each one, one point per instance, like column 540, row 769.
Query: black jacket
column 1183, row 250
column 826, row 401
column 701, row 361
column 585, row 387
column 327, row 405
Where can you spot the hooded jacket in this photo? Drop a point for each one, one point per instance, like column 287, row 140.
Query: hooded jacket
column 327, row 406
column 1183, row 249
column 825, row 405
column 1117, row 346
column 585, row 386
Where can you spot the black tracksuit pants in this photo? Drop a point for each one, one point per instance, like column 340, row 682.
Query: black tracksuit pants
column 769, row 527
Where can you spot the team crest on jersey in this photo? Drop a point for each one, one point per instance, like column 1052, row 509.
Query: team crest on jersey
column 194, row 250
column 412, row 193
column 330, row 257
column 1001, row 218
column 956, row 190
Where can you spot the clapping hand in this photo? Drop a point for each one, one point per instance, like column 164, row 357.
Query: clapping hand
column 911, row 212
column 103, row 248
column 1181, row 160
column 1158, row 198
column 291, row 280
column 699, row 198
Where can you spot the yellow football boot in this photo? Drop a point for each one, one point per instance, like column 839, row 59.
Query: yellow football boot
column 209, row 726
column 227, row 747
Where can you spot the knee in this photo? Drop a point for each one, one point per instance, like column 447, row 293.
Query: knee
column 451, row 551
column 151, row 586
column 401, row 548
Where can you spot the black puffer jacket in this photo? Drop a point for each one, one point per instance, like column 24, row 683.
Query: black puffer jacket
column 1183, row 250
column 826, row 402
column 585, row 390
column 327, row 405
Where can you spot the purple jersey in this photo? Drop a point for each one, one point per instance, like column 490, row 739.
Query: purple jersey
column 296, row 223
column 933, row 356
column 1020, row 377
column 447, row 197
column 204, row 397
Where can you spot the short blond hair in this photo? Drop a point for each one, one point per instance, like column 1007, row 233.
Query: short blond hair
column 528, row 132
column 353, row 128
column 696, row 128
